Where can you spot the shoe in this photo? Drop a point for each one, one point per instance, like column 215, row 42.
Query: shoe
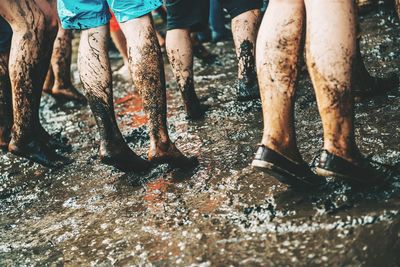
column 360, row 173
column 285, row 170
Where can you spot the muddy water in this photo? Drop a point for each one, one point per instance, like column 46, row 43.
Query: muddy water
column 219, row 213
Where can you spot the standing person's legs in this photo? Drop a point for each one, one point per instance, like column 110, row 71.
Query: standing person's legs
column 28, row 24
column 180, row 55
column 147, row 68
column 330, row 50
column 95, row 73
column 278, row 50
column 183, row 17
column 245, row 23
column 62, row 88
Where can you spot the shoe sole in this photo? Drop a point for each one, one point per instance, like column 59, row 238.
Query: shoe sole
column 278, row 173
column 341, row 176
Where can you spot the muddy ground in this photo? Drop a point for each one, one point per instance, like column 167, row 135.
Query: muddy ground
column 220, row 213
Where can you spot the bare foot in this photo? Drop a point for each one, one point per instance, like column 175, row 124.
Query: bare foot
column 169, row 153
column 193, row 108
column 39, row 152
column 67, row 94
column 122, row 157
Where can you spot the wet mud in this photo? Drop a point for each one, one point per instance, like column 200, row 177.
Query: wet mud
column 221, row 212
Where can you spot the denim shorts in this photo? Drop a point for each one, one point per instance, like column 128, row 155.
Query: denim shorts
column 5, row 35
column 86, row 14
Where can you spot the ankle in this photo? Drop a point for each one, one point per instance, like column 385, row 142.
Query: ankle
column 348, row 153
column 287, row 150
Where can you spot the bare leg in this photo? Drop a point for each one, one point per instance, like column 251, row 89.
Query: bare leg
column 120, row 43
column 28, row 24
column 119, row 40
column 95, row 73
column 244, row 30
column 278, row 48
column 180, row 55
column 5, row 102
column 330, row 52
column 48, row 8
column 62, row 88
column 147, row 68
column 398, row 8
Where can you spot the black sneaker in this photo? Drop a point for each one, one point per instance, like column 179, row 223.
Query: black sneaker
column 360, row 173
column 285, row 170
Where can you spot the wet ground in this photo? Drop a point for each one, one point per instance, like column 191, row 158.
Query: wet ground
column 220, row 213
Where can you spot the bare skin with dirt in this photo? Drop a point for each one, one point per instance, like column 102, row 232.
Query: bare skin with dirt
column 58, row 81
column 244, row 30
column 146, row 64
column 32, row 35
column 222, row 212
column 180, row 55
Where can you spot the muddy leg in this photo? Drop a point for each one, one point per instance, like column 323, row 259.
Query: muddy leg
column 147, row 68
column 95, row 73
column 5, row 102
column 63, row 89
column 330, row 53
column 48, row 8
column 398, row 8
column 180, row 55
column 27, row 22
column 278, row 49
column 244, row 30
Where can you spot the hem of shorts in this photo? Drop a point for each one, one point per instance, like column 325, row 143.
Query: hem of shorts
column 74, row 26
column 237, row 11
column 137, row 14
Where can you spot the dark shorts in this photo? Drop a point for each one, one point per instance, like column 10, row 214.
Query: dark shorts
column 237, row 7
column 187, row 14
column 5, row 35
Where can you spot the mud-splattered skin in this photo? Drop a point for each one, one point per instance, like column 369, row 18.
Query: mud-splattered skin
column 58, row 81
column 330, row 70
column 278, row 50
column 398, row 8
column 180, row 55
column 329, row 67
column 26, row 63
column 244, row 29
column 146, row 64
column 5, row 102
column 95, row 73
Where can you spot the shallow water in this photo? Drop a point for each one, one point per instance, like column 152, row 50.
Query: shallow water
column 221, row 212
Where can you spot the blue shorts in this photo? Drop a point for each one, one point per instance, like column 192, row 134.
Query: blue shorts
column 86, row 14
column 5, row 35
